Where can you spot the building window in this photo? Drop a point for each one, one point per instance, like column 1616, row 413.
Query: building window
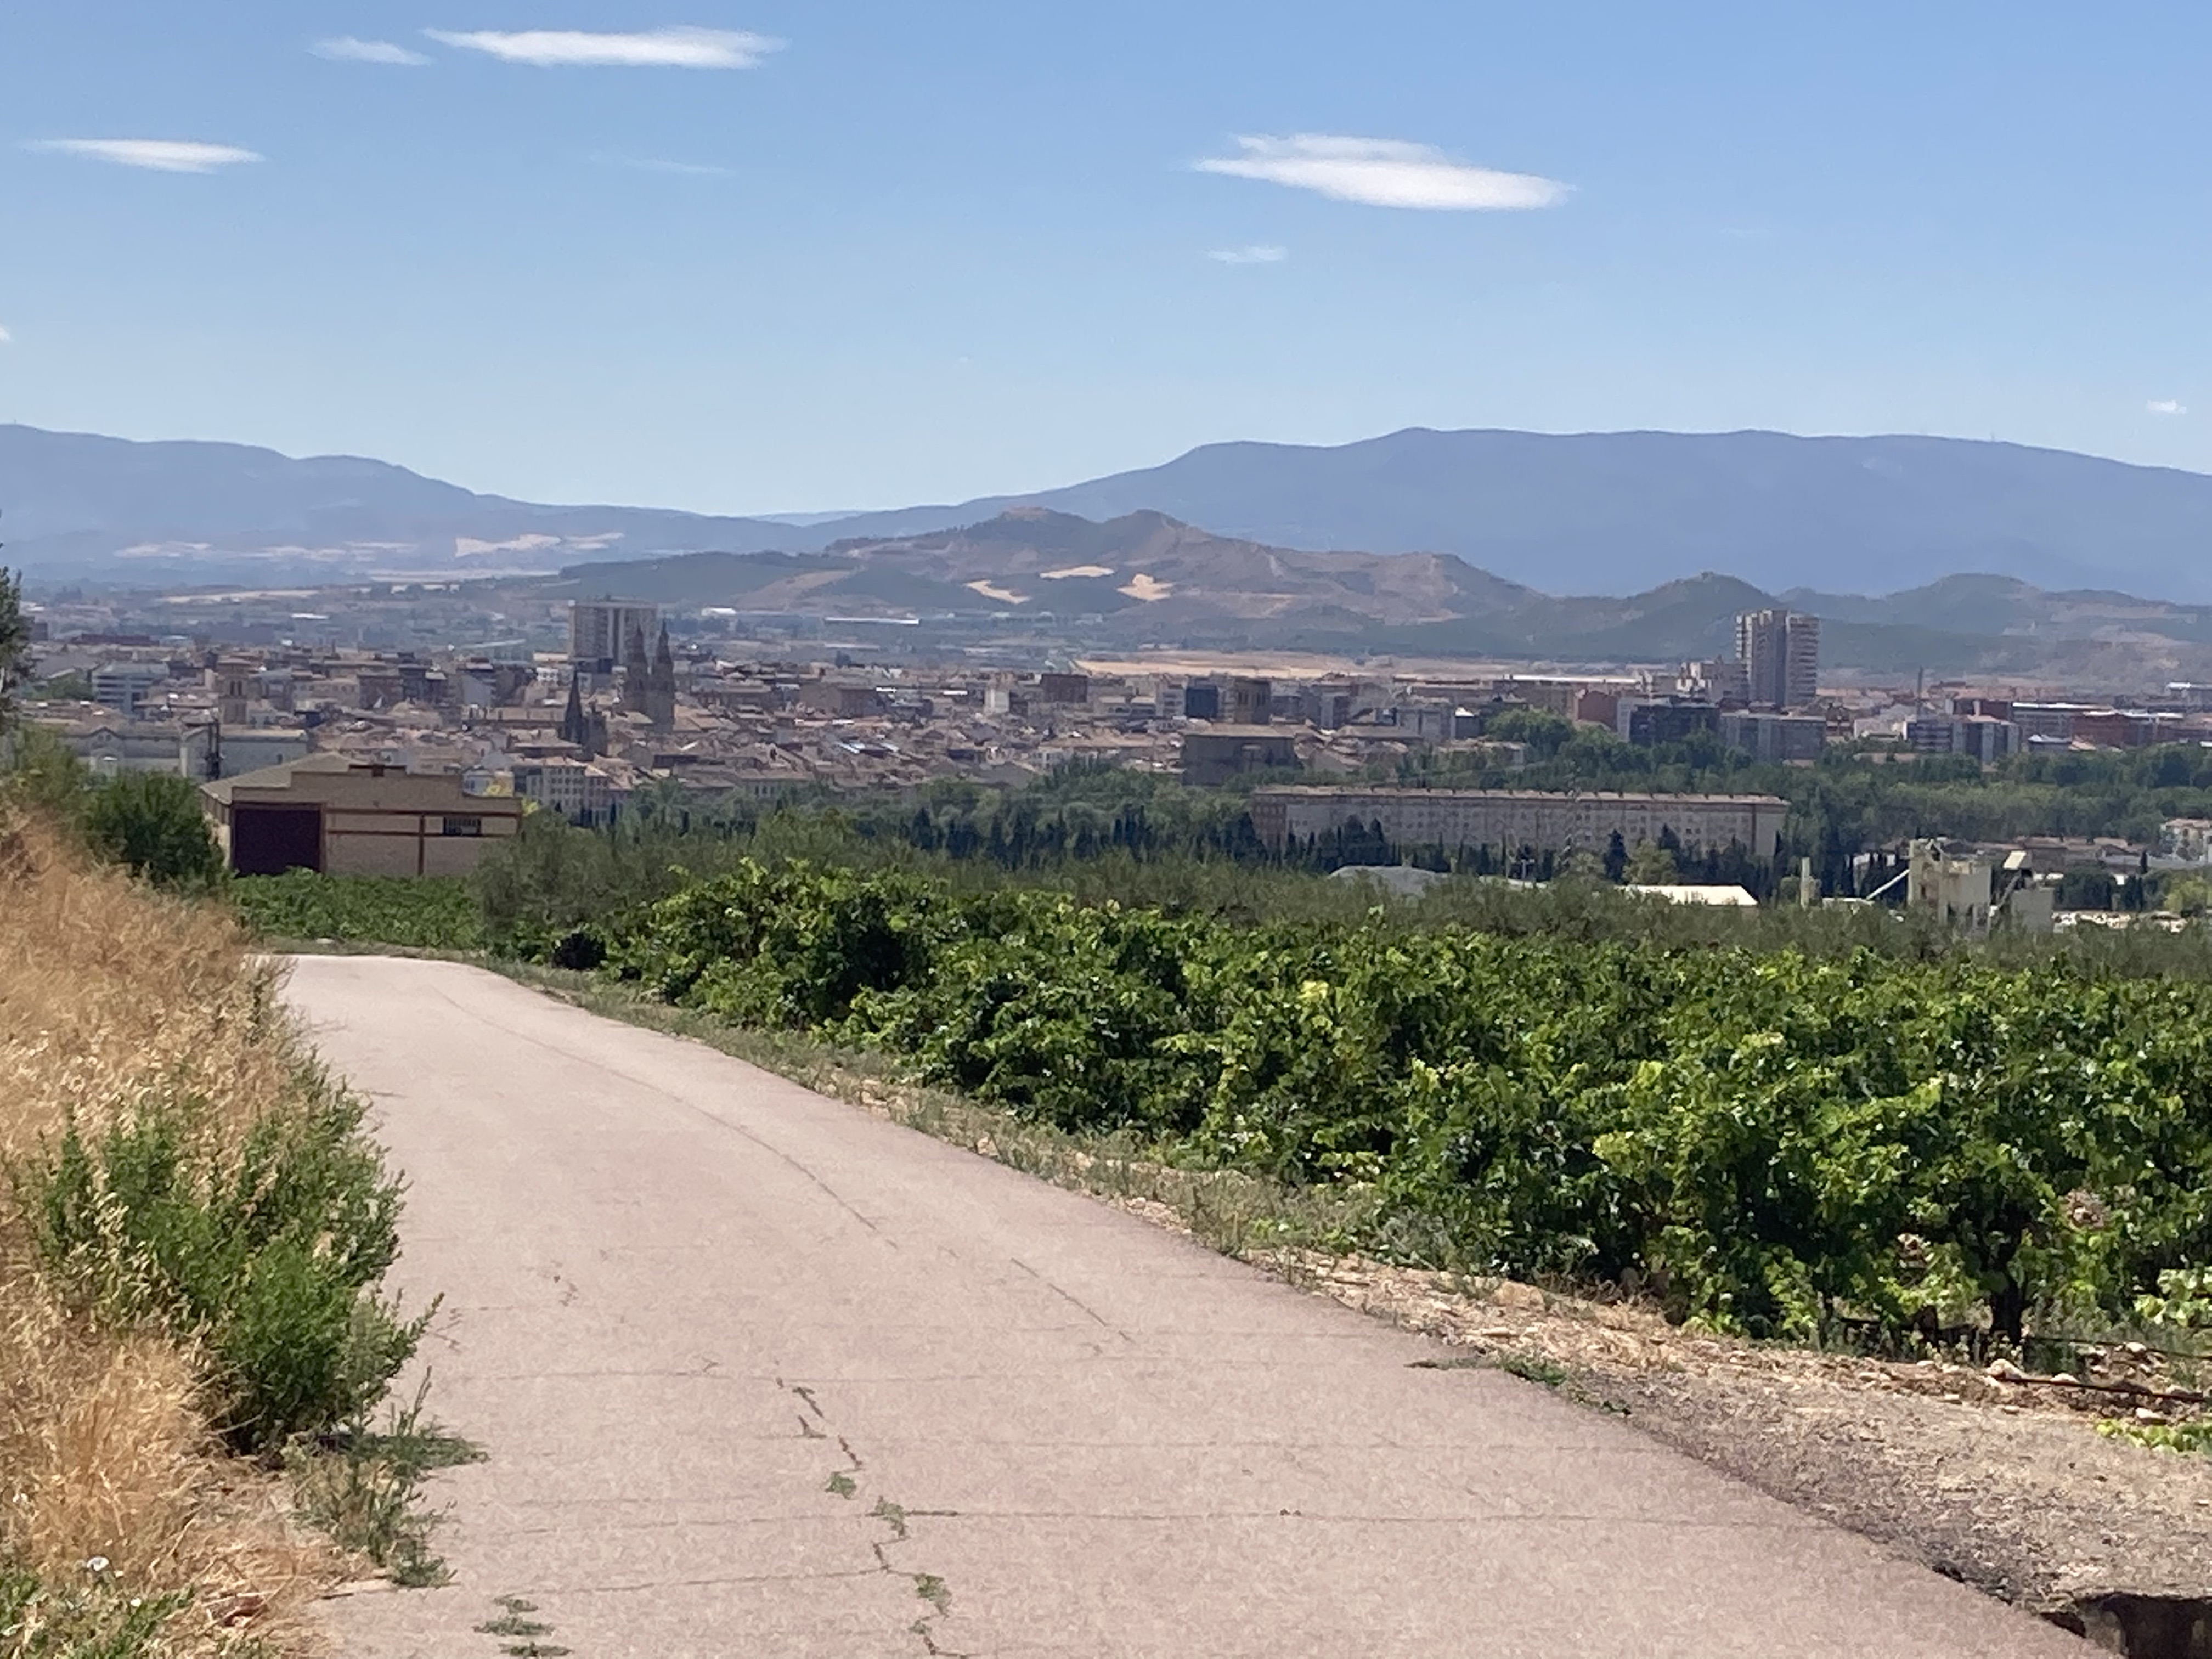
column 461, row 827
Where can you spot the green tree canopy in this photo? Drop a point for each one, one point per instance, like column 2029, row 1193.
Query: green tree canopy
column 152, row 822
column 15, row 640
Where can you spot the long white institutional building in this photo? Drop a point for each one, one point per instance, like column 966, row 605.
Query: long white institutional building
column 1543, row 819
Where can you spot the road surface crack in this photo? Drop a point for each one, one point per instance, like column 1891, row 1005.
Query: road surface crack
column 845, row 1483
column 1076, row 1301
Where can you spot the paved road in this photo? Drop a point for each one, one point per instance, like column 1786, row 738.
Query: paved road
column 761, row 1374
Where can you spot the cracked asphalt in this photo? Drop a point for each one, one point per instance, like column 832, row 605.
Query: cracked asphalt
column 759, row 1374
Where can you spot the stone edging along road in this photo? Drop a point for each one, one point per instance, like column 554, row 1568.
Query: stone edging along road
column 760, row 1373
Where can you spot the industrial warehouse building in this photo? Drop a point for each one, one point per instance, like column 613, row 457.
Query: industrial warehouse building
column 350, row 817
column 1545, row 820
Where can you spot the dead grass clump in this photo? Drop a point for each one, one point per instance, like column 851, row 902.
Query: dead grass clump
column 102, row 1447
column 111, row 993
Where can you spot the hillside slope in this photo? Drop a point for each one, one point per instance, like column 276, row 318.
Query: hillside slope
column 1145, row 579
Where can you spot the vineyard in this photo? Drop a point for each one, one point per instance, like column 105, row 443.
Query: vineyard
column 1858, row 1145
column 423, row 914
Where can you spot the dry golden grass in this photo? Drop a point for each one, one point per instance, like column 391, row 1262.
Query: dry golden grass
column 111, row 998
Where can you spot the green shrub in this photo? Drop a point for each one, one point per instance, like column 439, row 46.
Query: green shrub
column 152, row 822
column 269, row 1255
column 43, row 775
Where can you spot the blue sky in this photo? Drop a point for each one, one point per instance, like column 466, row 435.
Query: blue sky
column 782, row 256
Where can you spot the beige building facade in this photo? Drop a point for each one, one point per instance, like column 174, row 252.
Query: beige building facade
column 348, row 817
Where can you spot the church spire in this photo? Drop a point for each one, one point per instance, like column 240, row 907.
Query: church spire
column 660, row 685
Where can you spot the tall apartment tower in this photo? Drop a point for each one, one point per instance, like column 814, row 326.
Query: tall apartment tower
column 599, row 631
column 1780, row 650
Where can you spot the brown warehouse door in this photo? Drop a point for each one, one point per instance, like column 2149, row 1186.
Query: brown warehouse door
column 267, row 841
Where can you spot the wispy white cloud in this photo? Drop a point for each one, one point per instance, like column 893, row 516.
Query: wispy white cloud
column 348, row 49
column 2166, row 406
column 157, row 155
column 1382, row 172
column 659, row 164
column 669, row 48
column 1259, row 254
column 5, row 337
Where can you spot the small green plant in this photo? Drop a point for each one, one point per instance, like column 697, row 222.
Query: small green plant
column 931, row 1588
column 2192, row 1436
column 362, row 1486
column 891, row 1514
column 1533, row 1368
column 841, row 1483
column 95, row 1618
column 514, row 1619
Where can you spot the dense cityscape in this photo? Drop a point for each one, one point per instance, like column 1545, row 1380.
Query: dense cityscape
column 641, row 700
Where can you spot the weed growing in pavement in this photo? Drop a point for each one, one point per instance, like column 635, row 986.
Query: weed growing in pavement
column 891, row 1514
column 1532, row 1368
column 841, row 1483
column 514, row 1620
column 362, row 1486
column 931, row 1588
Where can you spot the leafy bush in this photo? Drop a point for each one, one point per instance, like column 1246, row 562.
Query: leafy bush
column 43, row 775
column 152, row 822
column 267, row 1252
column 428, row 913
column 2183, row 1300
column 1783, row 1144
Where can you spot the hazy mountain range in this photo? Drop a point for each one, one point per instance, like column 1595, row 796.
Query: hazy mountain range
column 1584, row 513
column 1145, row 578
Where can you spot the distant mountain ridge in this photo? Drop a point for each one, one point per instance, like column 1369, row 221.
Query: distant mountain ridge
column 1589, row 513
column 81, row 506
column 1594, row 513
